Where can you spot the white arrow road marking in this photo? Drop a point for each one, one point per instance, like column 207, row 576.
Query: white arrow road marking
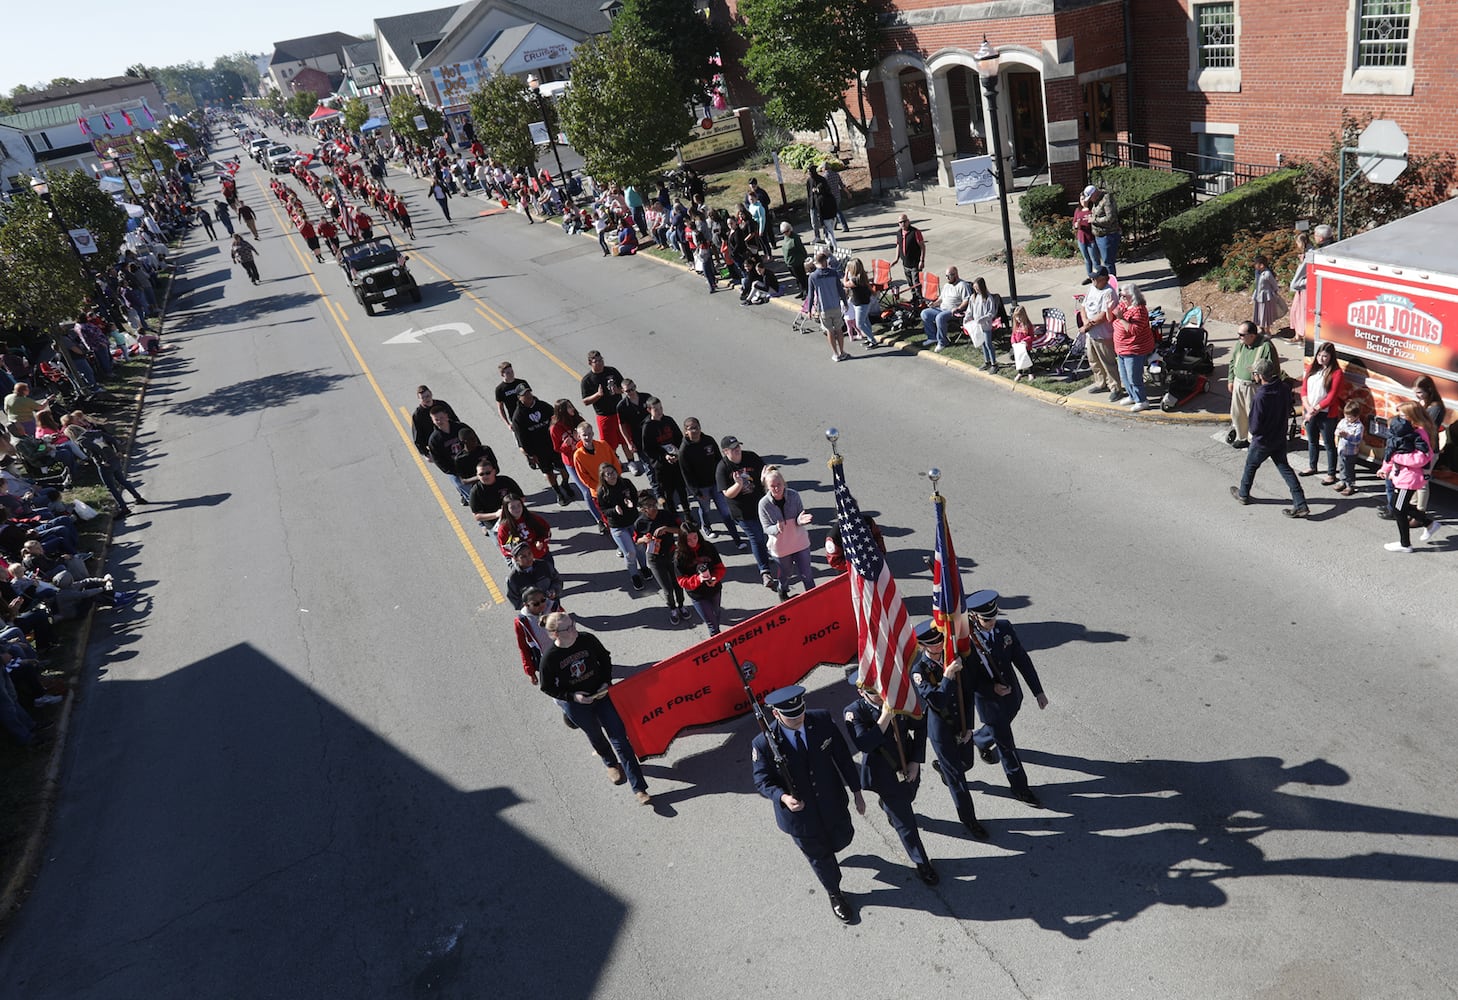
column 413, row 336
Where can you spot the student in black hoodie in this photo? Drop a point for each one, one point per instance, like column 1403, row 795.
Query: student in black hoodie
column 657, row 531
column 617, row 498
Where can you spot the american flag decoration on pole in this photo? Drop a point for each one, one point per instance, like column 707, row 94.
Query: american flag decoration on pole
column 106, row 121
column 85, row 127
column 147, row 111
column 127, row 118
column 948, row 611
column 884, row 634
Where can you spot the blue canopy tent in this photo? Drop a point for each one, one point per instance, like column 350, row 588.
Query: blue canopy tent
column 373, row 124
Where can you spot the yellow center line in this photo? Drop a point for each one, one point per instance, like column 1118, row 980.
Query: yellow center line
column 503, row 323
column 483, row 314
column 440, row 497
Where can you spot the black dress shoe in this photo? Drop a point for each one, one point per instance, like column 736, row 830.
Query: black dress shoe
column 927, row 873
column 1029, row 798
column 841, row 908
column 988, row 755
column 975, row 828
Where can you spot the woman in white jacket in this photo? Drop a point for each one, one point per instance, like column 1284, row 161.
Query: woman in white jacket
column 784, row 518
column 981, row 311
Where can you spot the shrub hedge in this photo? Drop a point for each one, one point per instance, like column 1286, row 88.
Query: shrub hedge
column 1201, row 235
column 1132, row 185
column 1043, row 203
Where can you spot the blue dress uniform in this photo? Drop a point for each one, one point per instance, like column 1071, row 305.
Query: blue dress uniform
column 821, row 769
column 881, row 772
column 1000, row 657
column 946, row 709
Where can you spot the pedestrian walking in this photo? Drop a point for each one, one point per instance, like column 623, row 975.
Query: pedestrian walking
column 578, row 671
column 893, row 748
column 442, row 198
column 221, row 213
column 950, row 712
column 700, row 572
column 243, row 253
column 1270, row 422
column 206, row 218
column 249, row 219
column 802, row 765
column 996, row 691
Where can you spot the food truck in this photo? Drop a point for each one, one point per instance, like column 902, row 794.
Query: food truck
column 1388, row 300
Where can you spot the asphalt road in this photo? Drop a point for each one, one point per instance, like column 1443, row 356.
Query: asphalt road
column 310, row 765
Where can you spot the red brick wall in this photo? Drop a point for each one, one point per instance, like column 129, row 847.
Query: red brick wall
column 1292, row 54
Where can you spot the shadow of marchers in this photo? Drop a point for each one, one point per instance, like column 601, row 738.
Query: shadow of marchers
column 349, row 844
column 264, row 393
column 206, row 500
column 1051, row 634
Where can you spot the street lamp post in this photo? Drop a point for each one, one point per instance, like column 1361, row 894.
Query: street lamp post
column 987, row 63
column 111, row 152
column 536, row 88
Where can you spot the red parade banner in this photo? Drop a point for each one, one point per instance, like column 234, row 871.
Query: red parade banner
column 698, row 686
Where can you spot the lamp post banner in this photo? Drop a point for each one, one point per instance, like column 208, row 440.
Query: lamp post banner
column 697, row 687
column 975, row 180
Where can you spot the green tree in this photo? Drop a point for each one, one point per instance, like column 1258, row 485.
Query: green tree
column 502, row 108
column 1428, row 180
column 63, row 81
column 42, row 283
column 624, row 111
column 356, row 113
column 82, row 203
column 674, row 27
column 804, row 55
column 302, row 104
column 7, row 106
column 403, row 108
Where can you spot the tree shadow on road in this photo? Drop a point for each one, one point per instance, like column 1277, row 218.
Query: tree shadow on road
column 264, row 393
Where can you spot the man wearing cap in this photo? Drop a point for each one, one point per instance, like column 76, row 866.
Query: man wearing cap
column 1270, row 419
column 527, row 573
column 795, row 256
column 578, row 671
column 809, row 793
column 1098, row 328
column 1000, row 658
column 949, row 718
column 1104, row 218
column 738, row 478
column 893, row 748
column 1250, row 349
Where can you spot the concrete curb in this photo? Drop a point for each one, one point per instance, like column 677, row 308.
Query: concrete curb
column 14, row 889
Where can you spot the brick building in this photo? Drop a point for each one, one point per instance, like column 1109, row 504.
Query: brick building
column 1196, row 85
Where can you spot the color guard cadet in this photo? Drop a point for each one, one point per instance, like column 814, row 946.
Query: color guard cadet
column 949, row 716
column 803, row 766
column 893, row 748
column 997, row 692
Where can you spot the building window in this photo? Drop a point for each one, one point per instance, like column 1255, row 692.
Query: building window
column 1215, row 151
column 1216, row 29
column 1384, row 33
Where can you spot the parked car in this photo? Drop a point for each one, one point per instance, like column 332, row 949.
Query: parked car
column 377, row 272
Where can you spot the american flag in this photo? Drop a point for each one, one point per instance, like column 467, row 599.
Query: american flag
column 947, row 603
column 884, row 635
column 85, row 128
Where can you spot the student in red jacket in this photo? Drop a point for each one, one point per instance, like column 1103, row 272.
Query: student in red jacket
column 1321, row 405
column 700, row 573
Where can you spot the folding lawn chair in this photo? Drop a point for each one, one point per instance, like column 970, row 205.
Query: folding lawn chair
column 1075, row 362
column 803, row 321
column 1054, row 336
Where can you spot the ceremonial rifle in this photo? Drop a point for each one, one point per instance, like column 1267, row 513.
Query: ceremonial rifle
column 781, row 764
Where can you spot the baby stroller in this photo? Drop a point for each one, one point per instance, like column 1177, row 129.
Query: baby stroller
column 1183, row 361
column 803, row 321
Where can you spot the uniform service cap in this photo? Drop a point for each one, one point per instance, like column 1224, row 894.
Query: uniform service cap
column 928, row 634
column 788, row 701
column 983, row 603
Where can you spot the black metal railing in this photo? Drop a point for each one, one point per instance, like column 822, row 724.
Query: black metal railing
column 1211, row 175
column 1140, row 220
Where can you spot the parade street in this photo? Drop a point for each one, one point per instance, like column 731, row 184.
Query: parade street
column 315, row 768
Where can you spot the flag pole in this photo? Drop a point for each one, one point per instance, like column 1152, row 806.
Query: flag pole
column 947, row 641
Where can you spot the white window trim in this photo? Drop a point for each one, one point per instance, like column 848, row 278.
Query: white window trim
column 1211, row 81
column 1393, row 81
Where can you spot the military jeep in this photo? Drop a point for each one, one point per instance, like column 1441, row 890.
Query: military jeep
column 377, row 273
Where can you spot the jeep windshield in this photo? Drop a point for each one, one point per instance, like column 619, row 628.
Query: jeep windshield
column 369, row 256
